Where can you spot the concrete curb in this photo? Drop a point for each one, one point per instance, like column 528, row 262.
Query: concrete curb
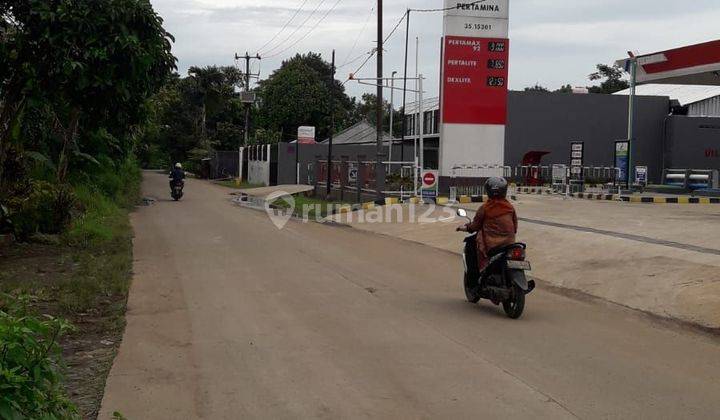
column 536, row 191
column 599, row 197
column 670, row 200
column 639, row 199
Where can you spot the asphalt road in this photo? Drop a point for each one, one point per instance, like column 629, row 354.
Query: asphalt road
column 230, row 317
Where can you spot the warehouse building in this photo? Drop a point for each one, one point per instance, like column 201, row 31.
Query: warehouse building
column 546, row 123
column 695, row 101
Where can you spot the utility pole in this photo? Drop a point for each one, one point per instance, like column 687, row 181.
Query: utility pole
column 246, row 98
column 631, row 119
column 332, row 127
column 379, row 111
column 404, row 113
column 392, row 119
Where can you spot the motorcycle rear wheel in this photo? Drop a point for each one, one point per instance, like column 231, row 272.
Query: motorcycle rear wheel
column 515, row 306
column 472, row 292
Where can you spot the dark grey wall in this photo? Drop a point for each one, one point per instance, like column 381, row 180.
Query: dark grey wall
column 693, row 143
column 549, row 122
column 309, row 152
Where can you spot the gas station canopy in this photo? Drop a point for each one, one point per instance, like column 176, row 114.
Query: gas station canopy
column 692, row 65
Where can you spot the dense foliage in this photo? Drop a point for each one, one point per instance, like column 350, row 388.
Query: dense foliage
column 30, row 380
column 75, row 76
column 194, row 115
column 75, row 80
column 612, row 78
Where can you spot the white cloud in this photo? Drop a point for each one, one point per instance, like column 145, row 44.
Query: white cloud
column 553, row 42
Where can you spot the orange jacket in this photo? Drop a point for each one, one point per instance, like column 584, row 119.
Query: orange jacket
column 497, row 224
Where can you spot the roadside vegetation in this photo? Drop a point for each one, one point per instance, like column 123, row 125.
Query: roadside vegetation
column 75, row 81
column 201, row 112
column 244, row 185
column 316, row 208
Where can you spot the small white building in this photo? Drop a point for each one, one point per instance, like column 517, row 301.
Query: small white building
column 702, row 101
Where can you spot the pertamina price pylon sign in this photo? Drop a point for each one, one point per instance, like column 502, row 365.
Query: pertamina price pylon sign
column 474, row 85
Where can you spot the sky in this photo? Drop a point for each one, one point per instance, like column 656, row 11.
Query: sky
column 553, row 42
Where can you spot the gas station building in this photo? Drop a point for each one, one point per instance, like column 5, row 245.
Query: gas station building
column 668, row 133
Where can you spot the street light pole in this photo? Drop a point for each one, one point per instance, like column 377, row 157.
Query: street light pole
column 631, row 118
column 404, row 113
column 392, row 118
column 332, row 127
column 379, row 108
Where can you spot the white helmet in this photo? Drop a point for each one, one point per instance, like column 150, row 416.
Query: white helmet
column 178, row 165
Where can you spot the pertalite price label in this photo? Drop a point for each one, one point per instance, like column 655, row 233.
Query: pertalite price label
column 496, row 64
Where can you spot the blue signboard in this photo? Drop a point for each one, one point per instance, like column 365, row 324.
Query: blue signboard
column 622, row 159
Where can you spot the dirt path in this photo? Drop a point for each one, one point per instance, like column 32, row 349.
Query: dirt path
column 231, row 318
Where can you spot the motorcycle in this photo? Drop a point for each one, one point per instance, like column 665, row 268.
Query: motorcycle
column 177, row 190
column 503, row 281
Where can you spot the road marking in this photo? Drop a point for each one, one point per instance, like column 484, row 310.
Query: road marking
column 628, row 236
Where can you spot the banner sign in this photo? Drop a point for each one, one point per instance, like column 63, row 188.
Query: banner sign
column 577, row 158
column 641, row 175
column 306, row 135
column 622, row 159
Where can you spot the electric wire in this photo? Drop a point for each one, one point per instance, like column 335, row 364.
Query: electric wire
column 362, row 31
column 444, row 9
column 284, row 27
column 334, row 6
column 374, row 51
column 297, row 29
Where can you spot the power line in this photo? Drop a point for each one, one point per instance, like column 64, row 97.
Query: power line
column 296, row 29
column 284, row 26
column 445, row 9
column 372, row 53
column 396, row 27
column 308, row 32
column 362, row 31
column 353, row 61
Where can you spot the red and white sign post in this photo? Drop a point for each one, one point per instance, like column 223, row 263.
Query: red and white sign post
column 430, row 184
column 474, row 85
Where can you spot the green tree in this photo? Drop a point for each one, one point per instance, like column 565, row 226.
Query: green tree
column 365, row 109
column 565, row 89
column 537, row 88
column 612, row 79
column 90, row 64
column 197, row 113
column 299, row 93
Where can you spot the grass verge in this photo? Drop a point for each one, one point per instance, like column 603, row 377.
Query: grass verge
column 82, row 276
column 231, row 183
column 313, row 208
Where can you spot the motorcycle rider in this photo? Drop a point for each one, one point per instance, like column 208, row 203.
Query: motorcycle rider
column 177, row 175
column 495, row 221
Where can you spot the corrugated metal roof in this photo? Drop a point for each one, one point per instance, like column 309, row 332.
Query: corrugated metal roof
column 685, row 94
column 429, row 104
column 360, row 133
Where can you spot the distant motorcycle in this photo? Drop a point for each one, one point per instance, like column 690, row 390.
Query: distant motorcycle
column 503, row 281
column 177, row 190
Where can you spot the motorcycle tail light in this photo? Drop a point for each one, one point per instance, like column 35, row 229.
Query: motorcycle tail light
column 517, row 254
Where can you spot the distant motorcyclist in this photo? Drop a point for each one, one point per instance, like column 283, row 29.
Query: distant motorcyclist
column 177, row 175
column 495, row 221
